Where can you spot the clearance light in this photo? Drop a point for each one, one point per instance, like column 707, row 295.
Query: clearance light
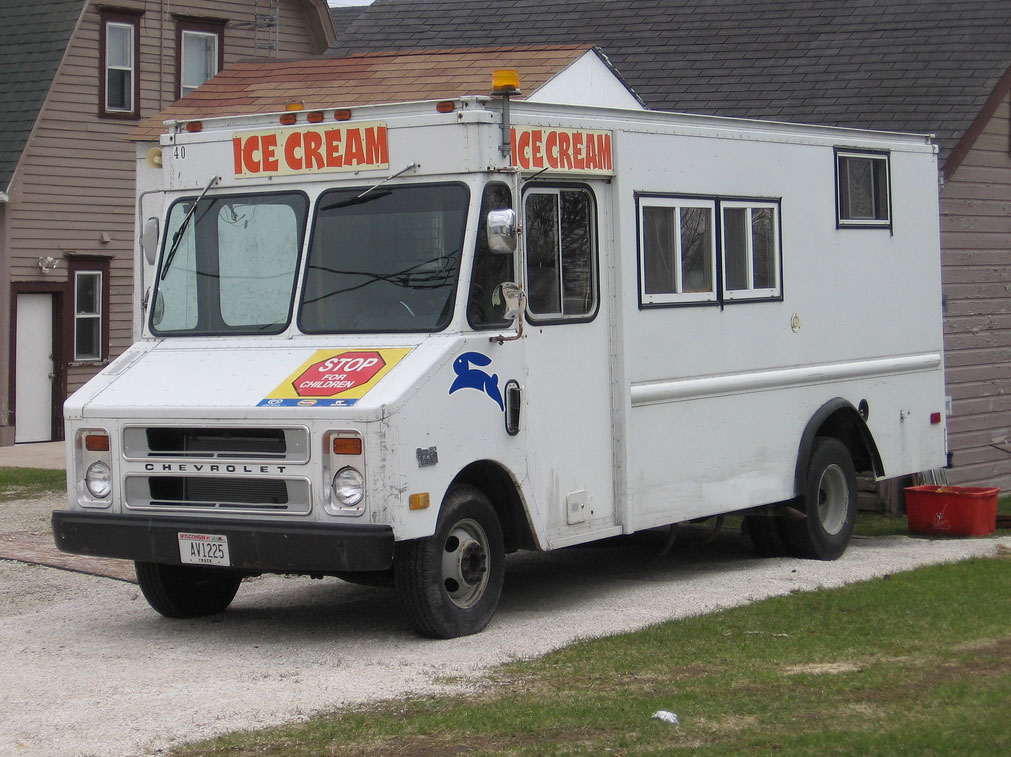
column 294, row 105
column 194, row 126
column 96, row 442
column 347, row 445
column 505, row 81
column 314, row 117
column 446, row 106
column 287, row 119
column 342, row 115
column 935, row 418
column 419, row 501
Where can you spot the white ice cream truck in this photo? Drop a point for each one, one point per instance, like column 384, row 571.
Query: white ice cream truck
column 401, row 341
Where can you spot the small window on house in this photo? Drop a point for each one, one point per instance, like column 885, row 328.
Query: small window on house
column 200, row 52
column 677, row 243
column 862, row 189
column 561, row 243
column 750, row 236
column 119, row 77
column 88, row 299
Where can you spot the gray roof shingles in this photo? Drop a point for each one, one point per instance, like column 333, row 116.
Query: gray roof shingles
column 901, row 65
column 33, row 39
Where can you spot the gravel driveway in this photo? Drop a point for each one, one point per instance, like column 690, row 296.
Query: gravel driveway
column 87, row 668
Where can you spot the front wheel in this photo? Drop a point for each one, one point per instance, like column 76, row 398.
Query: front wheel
column 449, row 584
column 186, row 591
column 830, row 503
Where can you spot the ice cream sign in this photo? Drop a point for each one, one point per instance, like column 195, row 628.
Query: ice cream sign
column 334, row 378
column 567, row 150
column 310, row 149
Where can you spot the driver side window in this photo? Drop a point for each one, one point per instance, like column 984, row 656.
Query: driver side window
column 486, row 310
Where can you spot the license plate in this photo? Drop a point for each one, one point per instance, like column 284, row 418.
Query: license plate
column 203, row 549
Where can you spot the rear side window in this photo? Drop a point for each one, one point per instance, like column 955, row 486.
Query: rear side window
column 862, row 189
column 561, row 253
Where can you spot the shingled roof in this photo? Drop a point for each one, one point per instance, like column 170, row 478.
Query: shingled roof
column 33, row 39
column 366, row 79
column 903, row 65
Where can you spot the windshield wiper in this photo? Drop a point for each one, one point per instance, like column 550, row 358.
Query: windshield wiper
column 359, row 199
column 177, row 237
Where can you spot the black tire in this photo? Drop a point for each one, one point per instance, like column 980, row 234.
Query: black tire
column 449, row 584
column 766, row 534
column 829, row 501
column 186, row 591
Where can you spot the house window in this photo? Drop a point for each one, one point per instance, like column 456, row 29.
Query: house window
column 200, row 52
column 677, row 243
column 119, row 81
column 750, row 237
column 561, row 242
column 862, row 189
column 88, row 299
column 698, row 250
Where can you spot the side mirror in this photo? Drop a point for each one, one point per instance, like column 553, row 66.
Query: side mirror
column 513, row 296
column 149, row 240
column 501, row 225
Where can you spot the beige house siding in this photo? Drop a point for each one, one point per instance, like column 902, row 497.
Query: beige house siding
column 73, row 192
column 976, row 252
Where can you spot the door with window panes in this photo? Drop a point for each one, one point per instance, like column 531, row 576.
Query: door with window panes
column 567, row 409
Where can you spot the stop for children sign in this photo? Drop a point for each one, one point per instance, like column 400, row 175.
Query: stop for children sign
column 334, row 378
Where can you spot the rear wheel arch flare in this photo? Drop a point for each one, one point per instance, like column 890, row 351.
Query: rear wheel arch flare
column 838, row 418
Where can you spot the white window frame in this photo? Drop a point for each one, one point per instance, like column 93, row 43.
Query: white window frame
column 97, row 315
column 184, row 87
column 750, row 292
column 877, row 187
column 131, row 67
column 676, row 204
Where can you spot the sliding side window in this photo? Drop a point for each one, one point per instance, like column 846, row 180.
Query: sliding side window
column 561, row 245
column 751, row 260
column 677, row 240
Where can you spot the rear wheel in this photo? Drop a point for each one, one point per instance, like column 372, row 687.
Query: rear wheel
column 449, row 584
column 829, row 501
column 186, row 591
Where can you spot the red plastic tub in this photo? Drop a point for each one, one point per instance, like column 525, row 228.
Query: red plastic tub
column 952, row 510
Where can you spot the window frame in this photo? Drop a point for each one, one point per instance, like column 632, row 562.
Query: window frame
column 120, row 17
column 751, row 293
column 555, row 189
column 881, row 156
column 719, row 296
column 680, row 297
column 76, row 268
column 197, row 26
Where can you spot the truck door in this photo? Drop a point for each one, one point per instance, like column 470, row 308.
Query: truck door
column 567, row 407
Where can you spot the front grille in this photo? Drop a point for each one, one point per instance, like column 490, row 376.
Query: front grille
column 221, row 443
column 280, row 495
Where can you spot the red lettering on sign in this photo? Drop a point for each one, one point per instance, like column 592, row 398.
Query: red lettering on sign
column 312, row 144
column 354, row 150
column 268, row 149
column 334, row 159
column 338, row 374
column 291, row 144
column 375, row 145
column 249, row 150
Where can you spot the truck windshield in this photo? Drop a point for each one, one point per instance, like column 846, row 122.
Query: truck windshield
column 233, row 265
column 384, row 260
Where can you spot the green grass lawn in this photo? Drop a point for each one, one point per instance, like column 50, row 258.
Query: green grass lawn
column 914, row 664
column 25, row 483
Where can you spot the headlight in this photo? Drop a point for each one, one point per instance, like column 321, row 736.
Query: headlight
column 348, row 487
column 98, row 479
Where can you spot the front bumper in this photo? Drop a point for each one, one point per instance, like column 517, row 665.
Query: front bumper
column 259, row 547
